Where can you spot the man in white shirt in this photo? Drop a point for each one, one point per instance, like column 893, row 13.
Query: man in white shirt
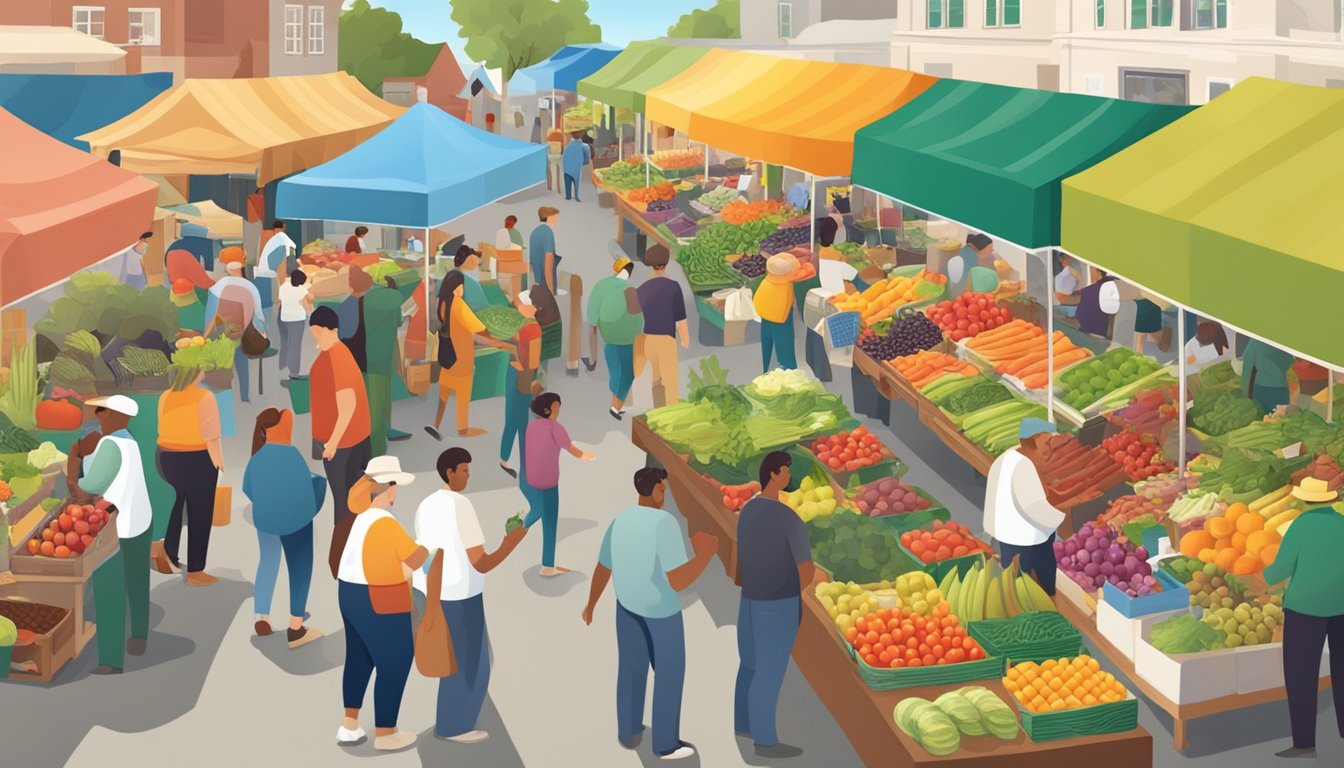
column 274, row 257
column 447, row 521
column 509, row 238
column 1067, row 285
column 1019, row 514
column 134, row 266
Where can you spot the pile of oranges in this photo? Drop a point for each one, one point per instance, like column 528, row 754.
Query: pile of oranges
column 1063, row 684
column 1238, row 541
column 901, row 638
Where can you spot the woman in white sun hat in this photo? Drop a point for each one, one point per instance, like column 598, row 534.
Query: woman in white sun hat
column 372, row 557
column 1313, row 608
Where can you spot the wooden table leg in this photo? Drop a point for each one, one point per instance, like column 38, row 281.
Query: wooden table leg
column 1179, row 738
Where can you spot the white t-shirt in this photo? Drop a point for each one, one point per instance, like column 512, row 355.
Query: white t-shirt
column 447, row 521
column 503, row 240
column 1017, row 511
column 1203, row 354
column 291, row 302
column 1067, row 282
column 1108, row 298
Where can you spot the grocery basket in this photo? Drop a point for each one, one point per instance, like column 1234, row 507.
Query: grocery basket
column 1111, row 717
column 1067, row 642
column 988, row 668
column 842, row 329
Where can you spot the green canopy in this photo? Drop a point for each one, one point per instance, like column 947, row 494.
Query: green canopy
column 1230, row 211
column 637, row 70
column 992, row 157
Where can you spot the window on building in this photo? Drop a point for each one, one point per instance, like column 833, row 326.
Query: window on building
column 947, row 14
column 1101, row 14
column 1003, row 13
column 144, row 29
column 317, row 30
column 1155, row 87
column 294, row 30
column 1151, row 13
column 89, row 20
column 1217, row 86
column 786, row 20
column 1209, row 14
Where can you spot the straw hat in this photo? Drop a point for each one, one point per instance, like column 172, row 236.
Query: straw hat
column 781, row 264
column 1314, row 490
column 387, row 469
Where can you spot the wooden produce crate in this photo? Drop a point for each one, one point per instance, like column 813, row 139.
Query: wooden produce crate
column 80, row 567
column 51, row 650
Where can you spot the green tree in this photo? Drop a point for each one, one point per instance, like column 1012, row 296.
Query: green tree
column 512, row 34
column 723, row 20
column 373, row 47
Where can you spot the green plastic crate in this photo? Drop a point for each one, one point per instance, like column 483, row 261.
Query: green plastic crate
column 1035, row 651
column 491, row 374
column 1112, row 717
column 988, row 668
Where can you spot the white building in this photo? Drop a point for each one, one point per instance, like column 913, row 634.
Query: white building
column 766, row 22
column 1172, row 51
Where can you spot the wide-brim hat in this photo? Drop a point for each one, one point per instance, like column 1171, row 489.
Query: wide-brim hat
column 119, row 403
column 387, row 469
column 1313, row 489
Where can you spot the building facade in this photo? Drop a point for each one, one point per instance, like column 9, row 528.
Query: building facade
column 201, row 38
column 443, row 84
column 765, row 22
column 1168, row 51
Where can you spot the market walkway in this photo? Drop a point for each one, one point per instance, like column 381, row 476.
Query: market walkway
column 211, row 694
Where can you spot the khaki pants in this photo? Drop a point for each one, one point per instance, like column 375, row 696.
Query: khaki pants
column 660, row 352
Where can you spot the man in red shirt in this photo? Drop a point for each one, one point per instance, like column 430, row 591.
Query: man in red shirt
column 355, row 242
column 340, row 406
column 522, row 383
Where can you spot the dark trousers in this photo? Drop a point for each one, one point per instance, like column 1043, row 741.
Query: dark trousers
column 343, row 470
column 766, row 630
column 643, row 644
column 374, row 641
column 121, row 586
column 462, row 695
column 1303, row 638
column 571, row 183
column 515, row 418
column 1038, row 560
column 193, row 478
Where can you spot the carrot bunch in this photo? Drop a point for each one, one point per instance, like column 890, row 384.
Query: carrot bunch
column 663, row 190
column 922, row 368
column 740, row 212
column 1019, row 349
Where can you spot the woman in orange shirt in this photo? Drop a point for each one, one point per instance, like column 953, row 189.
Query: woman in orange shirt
column 190, row 460
column 459, row 330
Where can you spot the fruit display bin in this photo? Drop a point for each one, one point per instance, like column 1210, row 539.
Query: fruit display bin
column 988, row 668
column 104, row 544
column 1173, row 597
column 1186, row 678
column 1038, row 651
column 50, row 650
column 940, row 568
column 908, row 521
column 1112, row 717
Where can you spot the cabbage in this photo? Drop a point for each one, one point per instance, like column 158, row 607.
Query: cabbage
column 9, row 634
column 905, row 712
column 45, row 455
column 962, row 712
column 997, row 717
column 783, row 382
column 937, row 733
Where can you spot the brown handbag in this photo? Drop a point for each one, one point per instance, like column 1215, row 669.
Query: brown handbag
column 434, row 655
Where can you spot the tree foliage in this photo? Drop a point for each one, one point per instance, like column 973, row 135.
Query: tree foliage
column 373, row 47
column 723, row 20
column 512, row 34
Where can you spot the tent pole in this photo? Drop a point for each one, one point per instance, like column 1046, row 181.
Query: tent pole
column 812, row 220
column 428, row 309
column 1180, row 381
column 1330, row 395
column 1049, row 338
column 706, row 163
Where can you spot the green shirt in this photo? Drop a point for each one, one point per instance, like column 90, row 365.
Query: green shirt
column 382, row 318
column 641, row 547
column 608, row 311
column 1309, row 557
column 1270, row 364
column 102, row 467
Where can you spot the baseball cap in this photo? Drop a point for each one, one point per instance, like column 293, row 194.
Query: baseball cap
column 1033, row 426
column 620, row 264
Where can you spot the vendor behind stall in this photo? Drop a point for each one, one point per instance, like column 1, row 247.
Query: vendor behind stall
column 774, row 303
column 1067, row 285
column 1264, row 374
column 978, row 251
column 467, row 260
column 355, row 242
column 1018, row 512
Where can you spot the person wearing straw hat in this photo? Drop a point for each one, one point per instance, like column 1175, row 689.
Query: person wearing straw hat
column 114, row 471
column 1313, row 609
column 774, row 302
column 1019, row 514
column 613, row 310
column 370, row 553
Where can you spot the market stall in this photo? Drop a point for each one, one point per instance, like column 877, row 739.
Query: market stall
column 67, row 106
column 623, row 82
column 879, row 540
column 559, row 75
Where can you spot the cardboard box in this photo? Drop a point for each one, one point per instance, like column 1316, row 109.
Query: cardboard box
column 1260, row 667
column 1188, row 677
column 1124, row 632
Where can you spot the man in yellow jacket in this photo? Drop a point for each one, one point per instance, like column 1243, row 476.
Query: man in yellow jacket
column 774, row 303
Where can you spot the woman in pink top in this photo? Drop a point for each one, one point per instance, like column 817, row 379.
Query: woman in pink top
column 546, row 438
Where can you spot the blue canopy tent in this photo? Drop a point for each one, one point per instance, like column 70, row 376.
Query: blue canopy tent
column 563, row 70
column 66, row 106
column 423, row 170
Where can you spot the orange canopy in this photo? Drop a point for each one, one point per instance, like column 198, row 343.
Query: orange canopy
column 802, row 114
column 61, row 210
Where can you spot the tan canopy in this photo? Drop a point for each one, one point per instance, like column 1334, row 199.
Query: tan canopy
column 271, row 126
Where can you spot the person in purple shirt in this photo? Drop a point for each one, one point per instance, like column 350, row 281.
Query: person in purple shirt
column 546, row 438
column 664, row 325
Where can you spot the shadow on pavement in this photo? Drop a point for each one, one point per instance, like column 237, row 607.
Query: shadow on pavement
column 553, row 586
column 321, row 655
column 497, row 752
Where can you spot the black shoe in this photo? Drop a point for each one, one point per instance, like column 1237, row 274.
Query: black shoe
column 615, row 414
column 396, row 435
column 1291, row 752
column 108, row 669
column 135, row 646
column 778, row 752
column 589, row 364
column 510, row 471
column 434, row 433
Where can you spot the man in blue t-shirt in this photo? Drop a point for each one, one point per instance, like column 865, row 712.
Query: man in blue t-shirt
column 774, row 565
column 541, row 249
column 644, row 552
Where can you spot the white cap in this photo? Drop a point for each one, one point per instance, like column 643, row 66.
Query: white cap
column 387, row 469
column 119, row 403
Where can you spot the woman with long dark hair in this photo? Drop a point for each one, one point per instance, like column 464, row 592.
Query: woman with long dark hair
column 459, row 330
column 283, row 508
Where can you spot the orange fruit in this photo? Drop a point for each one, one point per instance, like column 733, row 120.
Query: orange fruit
column 1246, row 564
column 1268, row 553
column 1250, row 523
column 1223, row 543
column 1257, row 541
column 1220, row 527
column 1207, row 555
column 1227, row 557
column 1194, row 541
column 1239, row 541
column 1236, row 511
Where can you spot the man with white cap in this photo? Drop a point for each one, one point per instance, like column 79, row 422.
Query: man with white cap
column 1018, row 511
column 114, row 472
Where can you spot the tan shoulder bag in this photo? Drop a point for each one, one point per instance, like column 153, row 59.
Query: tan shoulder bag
column 434, row 656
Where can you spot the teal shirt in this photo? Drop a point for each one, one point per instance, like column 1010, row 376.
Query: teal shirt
column 1309, row 557
column 103, row 467
column 607, row 310
column 1270, row 364
column 641, row 547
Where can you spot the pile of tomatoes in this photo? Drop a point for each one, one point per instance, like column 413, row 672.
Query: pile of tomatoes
column 968, row 315
column 1139, row 454
column 850, row 450
column 735, row 497
column 943, row 541
column 900, row 638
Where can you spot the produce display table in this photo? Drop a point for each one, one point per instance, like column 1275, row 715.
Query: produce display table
column 864, row 714
column 627, row 212
column 1181, row 714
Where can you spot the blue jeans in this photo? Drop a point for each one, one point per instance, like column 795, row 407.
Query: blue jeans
column 571, row 183
column 298, row 549
column 779, row 338
column 545, row 506
column 1038, row 560
column 765, row 633
column 516, row 406
column 240, row 368
column 641, row 644
column 620, row 368
column 462, row 695
column 374, row 641
column 265, row 287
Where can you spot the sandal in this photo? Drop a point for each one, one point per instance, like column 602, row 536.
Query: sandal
column 510, row 471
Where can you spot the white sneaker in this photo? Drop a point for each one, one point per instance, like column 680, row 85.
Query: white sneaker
column 680, row 753
column 348, row 738
column 470, row 737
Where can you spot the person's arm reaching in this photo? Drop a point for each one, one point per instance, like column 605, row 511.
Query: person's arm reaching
column 103, row 469
column 485, row 562
column 549, row 277
column 800, row 547
column 684, row 334
column 679, row 314
column 345, row 411
column 683, row 576
column 1285, row 562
